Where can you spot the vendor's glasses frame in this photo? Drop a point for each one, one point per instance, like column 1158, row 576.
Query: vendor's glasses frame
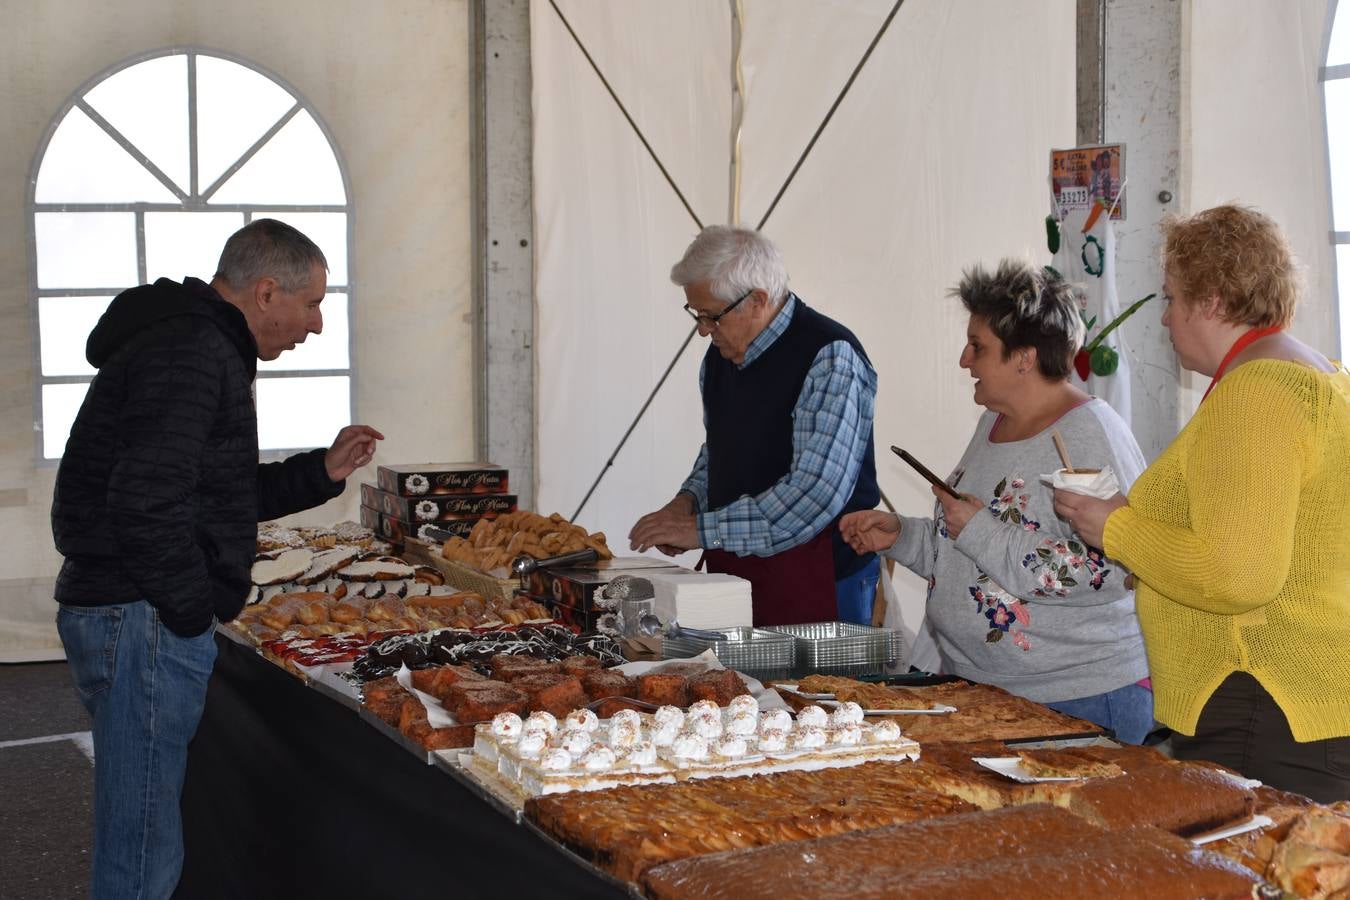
column 710, row 322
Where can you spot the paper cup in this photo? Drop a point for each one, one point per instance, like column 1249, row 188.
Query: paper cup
column 1092, row 483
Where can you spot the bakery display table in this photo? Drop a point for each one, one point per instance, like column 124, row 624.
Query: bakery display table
column 291, row 794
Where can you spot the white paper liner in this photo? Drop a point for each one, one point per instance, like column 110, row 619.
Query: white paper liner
column 1011, row 767
column 1252, row 824
column 1102, row 485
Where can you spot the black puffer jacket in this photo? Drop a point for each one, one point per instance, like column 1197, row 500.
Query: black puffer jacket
column 160, row 491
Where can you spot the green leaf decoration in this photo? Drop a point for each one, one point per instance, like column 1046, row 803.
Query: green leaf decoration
column 982, row 579
column 998, row 491
column 1052, row 234
column 993, row 637
column 1104, row 360
column 1076, row 548
column 1015, row 515
column 1069, row 582
column 1115, row 323
column 1043, row 553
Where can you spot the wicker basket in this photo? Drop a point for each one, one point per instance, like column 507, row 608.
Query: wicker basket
column 457, row 574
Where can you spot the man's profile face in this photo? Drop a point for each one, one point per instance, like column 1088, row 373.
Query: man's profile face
column 291, row 316
column 733, row 332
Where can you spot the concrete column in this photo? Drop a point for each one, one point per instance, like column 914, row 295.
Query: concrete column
column 503, row 225
column 1129, row 75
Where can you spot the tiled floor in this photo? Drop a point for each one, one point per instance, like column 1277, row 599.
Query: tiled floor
column 46, row 786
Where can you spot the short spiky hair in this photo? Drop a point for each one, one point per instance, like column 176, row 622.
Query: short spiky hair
column 1237, row 254
column 733, row 261
column 1027, row 307
column 266, row 248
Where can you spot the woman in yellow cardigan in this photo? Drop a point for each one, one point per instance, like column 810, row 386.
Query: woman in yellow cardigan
column 1239, row 534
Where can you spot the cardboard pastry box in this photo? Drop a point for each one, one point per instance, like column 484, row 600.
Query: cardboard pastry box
column 446, row 507
column 424, row 479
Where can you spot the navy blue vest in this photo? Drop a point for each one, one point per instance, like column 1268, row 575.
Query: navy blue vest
column 749, row 416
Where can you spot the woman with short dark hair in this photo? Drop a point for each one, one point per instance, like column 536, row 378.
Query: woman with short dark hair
column 1240, row 532
column 1015, row 598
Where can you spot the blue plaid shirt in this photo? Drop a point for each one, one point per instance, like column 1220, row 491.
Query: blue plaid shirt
column 831, row 423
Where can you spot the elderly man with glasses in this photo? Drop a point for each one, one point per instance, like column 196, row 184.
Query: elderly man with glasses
column 788, row 397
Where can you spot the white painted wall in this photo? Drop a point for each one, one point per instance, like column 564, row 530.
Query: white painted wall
column 1255, row 132
column 391, row 81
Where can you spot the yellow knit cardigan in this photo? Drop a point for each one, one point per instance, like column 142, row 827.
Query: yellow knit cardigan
column 1239, row 536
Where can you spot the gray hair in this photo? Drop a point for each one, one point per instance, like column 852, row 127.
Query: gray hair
column 734, row 261
column 267, row 248
column 1027, row 306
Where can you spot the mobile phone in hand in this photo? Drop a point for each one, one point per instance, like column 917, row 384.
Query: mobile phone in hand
column 923, row 470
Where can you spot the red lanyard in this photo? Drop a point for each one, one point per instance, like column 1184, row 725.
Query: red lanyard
column 1238, row 346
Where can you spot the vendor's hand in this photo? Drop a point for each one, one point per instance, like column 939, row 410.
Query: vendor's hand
column 870, row 530
column 957, row 512
column 672, row 529
column 1087, row 515
column 353, row 448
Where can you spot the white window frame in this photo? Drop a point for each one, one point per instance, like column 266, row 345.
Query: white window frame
column 1340, row 314
column 197, row 199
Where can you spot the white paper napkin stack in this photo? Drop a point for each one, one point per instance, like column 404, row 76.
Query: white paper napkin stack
column 701, row 600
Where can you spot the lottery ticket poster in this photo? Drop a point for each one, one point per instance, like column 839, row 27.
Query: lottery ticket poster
column 1082, row 176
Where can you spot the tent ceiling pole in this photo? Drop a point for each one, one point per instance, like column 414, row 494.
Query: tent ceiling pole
column 503, row 234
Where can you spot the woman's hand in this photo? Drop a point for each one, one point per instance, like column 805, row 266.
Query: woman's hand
column 1087, row 515
column 957, row 512
column 870, row 530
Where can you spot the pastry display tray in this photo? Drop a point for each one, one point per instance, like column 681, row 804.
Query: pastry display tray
column 396, row 736
column 493, row 791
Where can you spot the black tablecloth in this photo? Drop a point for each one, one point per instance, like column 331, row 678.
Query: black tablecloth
column 290, row 794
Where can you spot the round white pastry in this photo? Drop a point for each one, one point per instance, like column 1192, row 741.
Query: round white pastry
column 705, row 709
column 812, row 716
column 732, row 747
column 597, row 758
column 507, row 725
column 583, row 719
column 809, row 737
column 743, row 703
column 532, row 743
column 846, row 713
column 690, row 746
column 642, row 753
column 665, row 733
column 626, row 715
column 779, row 719
column 574, row 740
column 846, row 735
column 886, row 731
column 425, row 510
column 416, row 484
column 623, row 733
column 743, row 723
column 556, row 760
column 669, row 714
column 773, row 740
column 541, row 720
column 709, row 728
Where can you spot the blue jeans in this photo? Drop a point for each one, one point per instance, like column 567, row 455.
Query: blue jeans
column 1127, row 711
column 854, row 593
column 145, row 688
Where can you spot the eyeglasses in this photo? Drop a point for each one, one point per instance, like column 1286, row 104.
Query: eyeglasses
column 710, row 322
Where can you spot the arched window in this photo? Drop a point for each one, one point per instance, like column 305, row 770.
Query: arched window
column 144, row 174
column 1336, row 88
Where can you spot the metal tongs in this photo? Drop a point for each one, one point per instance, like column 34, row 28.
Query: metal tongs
column 523, row 565
column 650, row 626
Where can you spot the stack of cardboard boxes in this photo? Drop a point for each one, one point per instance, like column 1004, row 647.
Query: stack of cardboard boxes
column 450, row 496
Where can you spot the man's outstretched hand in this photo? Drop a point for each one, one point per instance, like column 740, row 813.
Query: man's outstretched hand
column 353, row 448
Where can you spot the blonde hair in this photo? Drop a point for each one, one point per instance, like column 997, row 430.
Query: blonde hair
column 1238, row 255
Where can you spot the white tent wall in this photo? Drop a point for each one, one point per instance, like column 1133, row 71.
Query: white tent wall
column 1253, row 133
column 391, row 81
column 935, row 160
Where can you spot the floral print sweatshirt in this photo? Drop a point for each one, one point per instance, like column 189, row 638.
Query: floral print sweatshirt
column 1019, row 600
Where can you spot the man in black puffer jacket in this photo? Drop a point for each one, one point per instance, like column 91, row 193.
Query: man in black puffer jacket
column 155, row 511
